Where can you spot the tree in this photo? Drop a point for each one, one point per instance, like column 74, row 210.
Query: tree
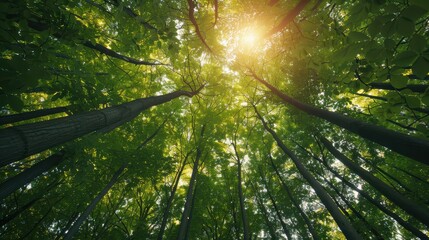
column 303, row 119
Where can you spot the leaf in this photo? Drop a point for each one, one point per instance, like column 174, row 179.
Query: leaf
column 398, row 81
column 421, row 67
column 405, row 27
column 413, row 101
column 406, row 58
column 389, row 44
column 425, row 100
column 357, row 37
column 15, row 103
column 424, row 4
column 418, row 43
column 413, row 13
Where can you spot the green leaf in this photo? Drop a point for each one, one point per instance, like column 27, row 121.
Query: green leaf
column 406, row 58
column 413, row 101
column 405, row 27
column 418, row 43
column 357, row 37
column 389, row 44
column 398, row 81
column 421, row 67
column 425, row 100
column 15, row 103
column 424, row 4
column 413, row 13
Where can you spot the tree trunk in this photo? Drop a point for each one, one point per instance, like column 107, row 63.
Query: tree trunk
column 277, row 210
column 30, row 115
column 170, row 199
column 22, row 141
column 355, row 212
column 14, row 183
column 411, row 175
column 184, row 221
column 418, row 211
column 387, row 86
column 412, row 147
column 376, row 203
column 345, row 226
column 264, row 211
column 75, row 227
column 295, row 202
column 290, row 16
column 16, row 213
column 241, row 197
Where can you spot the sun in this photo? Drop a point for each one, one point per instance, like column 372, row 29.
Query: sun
column 249, row 37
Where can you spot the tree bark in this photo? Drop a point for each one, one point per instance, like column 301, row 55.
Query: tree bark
column 185, row 219
column 346, row 227
column 14, row 183
column 22, row 141
column 30, row 115
column 170, row 199
column 75, row 227
column 412, row 147
column 420, row 212
column 241, row 197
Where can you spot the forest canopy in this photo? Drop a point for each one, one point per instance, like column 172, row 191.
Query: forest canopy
column 214, row 119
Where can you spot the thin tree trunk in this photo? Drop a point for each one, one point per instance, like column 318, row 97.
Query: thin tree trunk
column 412, row 147
column 290, row 16
column 16, row 213
column 188, row 227
column 421, row 110
column 30, row 115
column 356, row 213
column 191, row 11
column 420, row 88
column 22, row 141
column 264, row 211
column 104, row 50
column 376, row 203
column 420, row 212
column 346, row 227
column 170, row 199
column 14, row 183
column 152, row 135
column 277, row 210
column 295, row 202
column 184, row 221
column 75, row 227
column 241, row 197
column 411, row 175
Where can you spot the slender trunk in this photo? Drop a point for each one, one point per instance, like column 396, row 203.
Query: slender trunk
column 290, row 16
column 411, row 175
column 152, row 135
column 170, row 200
column 295, row 202
column 421, row 110
column 388, row 175
column 188, row 227
column 277, row 210
column 376, row 203
column 30, row 115
column 191, row 11
column 16, row 213
column 346, row 227
column 414, row 209
column 184, row 221
column 355, row 212
column 22, row 141
column 104, row 50
column 264, row 211
column 420, row 88
column 412, row 147
column 235, row 220
column 75, row 227
column 241, row 197
column 14, row 183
